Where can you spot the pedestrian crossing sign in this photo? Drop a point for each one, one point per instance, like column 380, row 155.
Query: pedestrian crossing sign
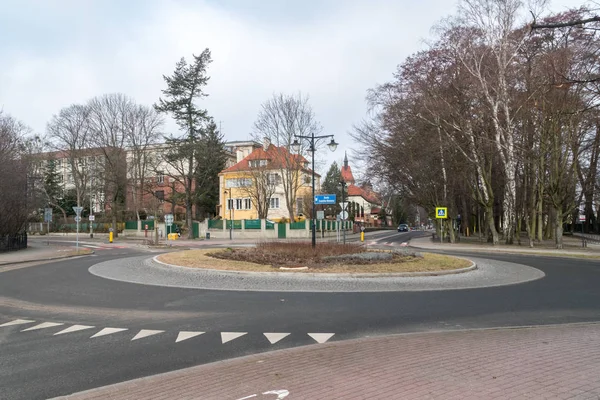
column 441, row 212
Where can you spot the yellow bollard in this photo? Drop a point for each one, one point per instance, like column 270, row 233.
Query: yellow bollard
column 110, row 237
column 362, row 236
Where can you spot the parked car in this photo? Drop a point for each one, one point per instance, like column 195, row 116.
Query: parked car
column 403, row 228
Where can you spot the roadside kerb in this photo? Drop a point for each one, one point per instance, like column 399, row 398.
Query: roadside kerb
column 3, row 263
column 145, row 270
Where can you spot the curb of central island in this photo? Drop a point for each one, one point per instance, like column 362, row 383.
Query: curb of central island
column 472, row 267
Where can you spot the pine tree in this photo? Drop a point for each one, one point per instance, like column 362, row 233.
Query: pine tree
column 184, row 87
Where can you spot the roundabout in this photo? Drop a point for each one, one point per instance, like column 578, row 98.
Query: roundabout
column 112, row 317
column 150, row 271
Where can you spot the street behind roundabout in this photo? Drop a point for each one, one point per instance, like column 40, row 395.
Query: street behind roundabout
column 91, row 331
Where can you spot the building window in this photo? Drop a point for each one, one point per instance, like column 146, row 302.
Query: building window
column 273, row 179
column 230, row 204
column 257, row 163
column 160, row 177
column 238, row 182
column 247, row 204
column 274, row 202
column 238, row 204
column 307, row 179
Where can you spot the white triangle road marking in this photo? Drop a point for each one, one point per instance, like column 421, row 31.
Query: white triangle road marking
column 74, row 328
column 275, row 337
column 108, row 331
column 229, row 336
column 321, row 337
column 184, row 335
column 17, row 322
column 43, row 325
column 145, row 333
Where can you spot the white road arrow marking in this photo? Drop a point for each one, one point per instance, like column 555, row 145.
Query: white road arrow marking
column 17, row 322
column 184, row 335
column 275, row 337
column 321, row 337
column 43, row 325
column 108, row 331
column 74, row 328
column 229, row 336
column 145, row 333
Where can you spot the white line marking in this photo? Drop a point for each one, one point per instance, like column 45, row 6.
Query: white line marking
column 321, row 337
column 108, row 331
column 74, row 328
column 248, row 397
column 145, row 333
column 17, row 322
column 92, row 246
column 185, row 335
column 275, row 337
column 43, row 325
column 229, row 336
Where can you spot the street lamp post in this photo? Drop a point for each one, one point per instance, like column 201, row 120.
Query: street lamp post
column 230, row 203
column 296, row 146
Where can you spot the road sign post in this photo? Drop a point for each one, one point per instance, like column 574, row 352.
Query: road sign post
column 168, row 224
column 48, row 219
column 77, row 210
column 325, row 199
column 441, row 213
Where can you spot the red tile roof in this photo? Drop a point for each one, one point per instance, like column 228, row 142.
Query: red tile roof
column 347, row 174
column 368, row 195
column 277, row 157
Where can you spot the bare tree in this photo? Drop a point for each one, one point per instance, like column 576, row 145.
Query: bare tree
column 142, row 133
column 13, row 176
column 260, row 184
column 69, row 132
column 282, row 118
column 109, row 117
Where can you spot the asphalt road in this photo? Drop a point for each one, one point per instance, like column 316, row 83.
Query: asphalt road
column 37, row 364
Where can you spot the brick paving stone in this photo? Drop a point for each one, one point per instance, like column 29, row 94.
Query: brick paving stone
column 555, row 362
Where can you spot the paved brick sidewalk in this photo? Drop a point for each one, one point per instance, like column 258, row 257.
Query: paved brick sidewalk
column 37, row 251
column 425, row 243
column 557, row 362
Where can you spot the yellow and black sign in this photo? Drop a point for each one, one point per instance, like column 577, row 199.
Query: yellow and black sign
column 441, row 212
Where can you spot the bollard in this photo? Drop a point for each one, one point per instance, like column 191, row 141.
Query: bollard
column 362, row 236
column 110, row 237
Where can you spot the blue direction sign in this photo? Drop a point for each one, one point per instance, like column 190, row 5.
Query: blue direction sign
column 325, row 199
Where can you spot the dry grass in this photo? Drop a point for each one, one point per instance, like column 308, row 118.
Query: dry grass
column 206, row 259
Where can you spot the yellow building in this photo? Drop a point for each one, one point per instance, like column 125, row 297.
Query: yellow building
column 256, row 184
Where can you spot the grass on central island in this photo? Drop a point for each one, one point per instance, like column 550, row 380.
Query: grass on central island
column 271, row 256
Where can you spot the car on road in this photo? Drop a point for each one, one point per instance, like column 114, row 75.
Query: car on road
column 403, row 228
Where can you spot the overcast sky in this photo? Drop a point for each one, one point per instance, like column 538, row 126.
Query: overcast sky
column 58, row 52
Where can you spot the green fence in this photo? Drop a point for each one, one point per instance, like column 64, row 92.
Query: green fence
column 133, row 224
column 298, row 225
column 85, row 226
column 237, row 224
column 270, row 225
column 215, row 224
column 252, row 224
